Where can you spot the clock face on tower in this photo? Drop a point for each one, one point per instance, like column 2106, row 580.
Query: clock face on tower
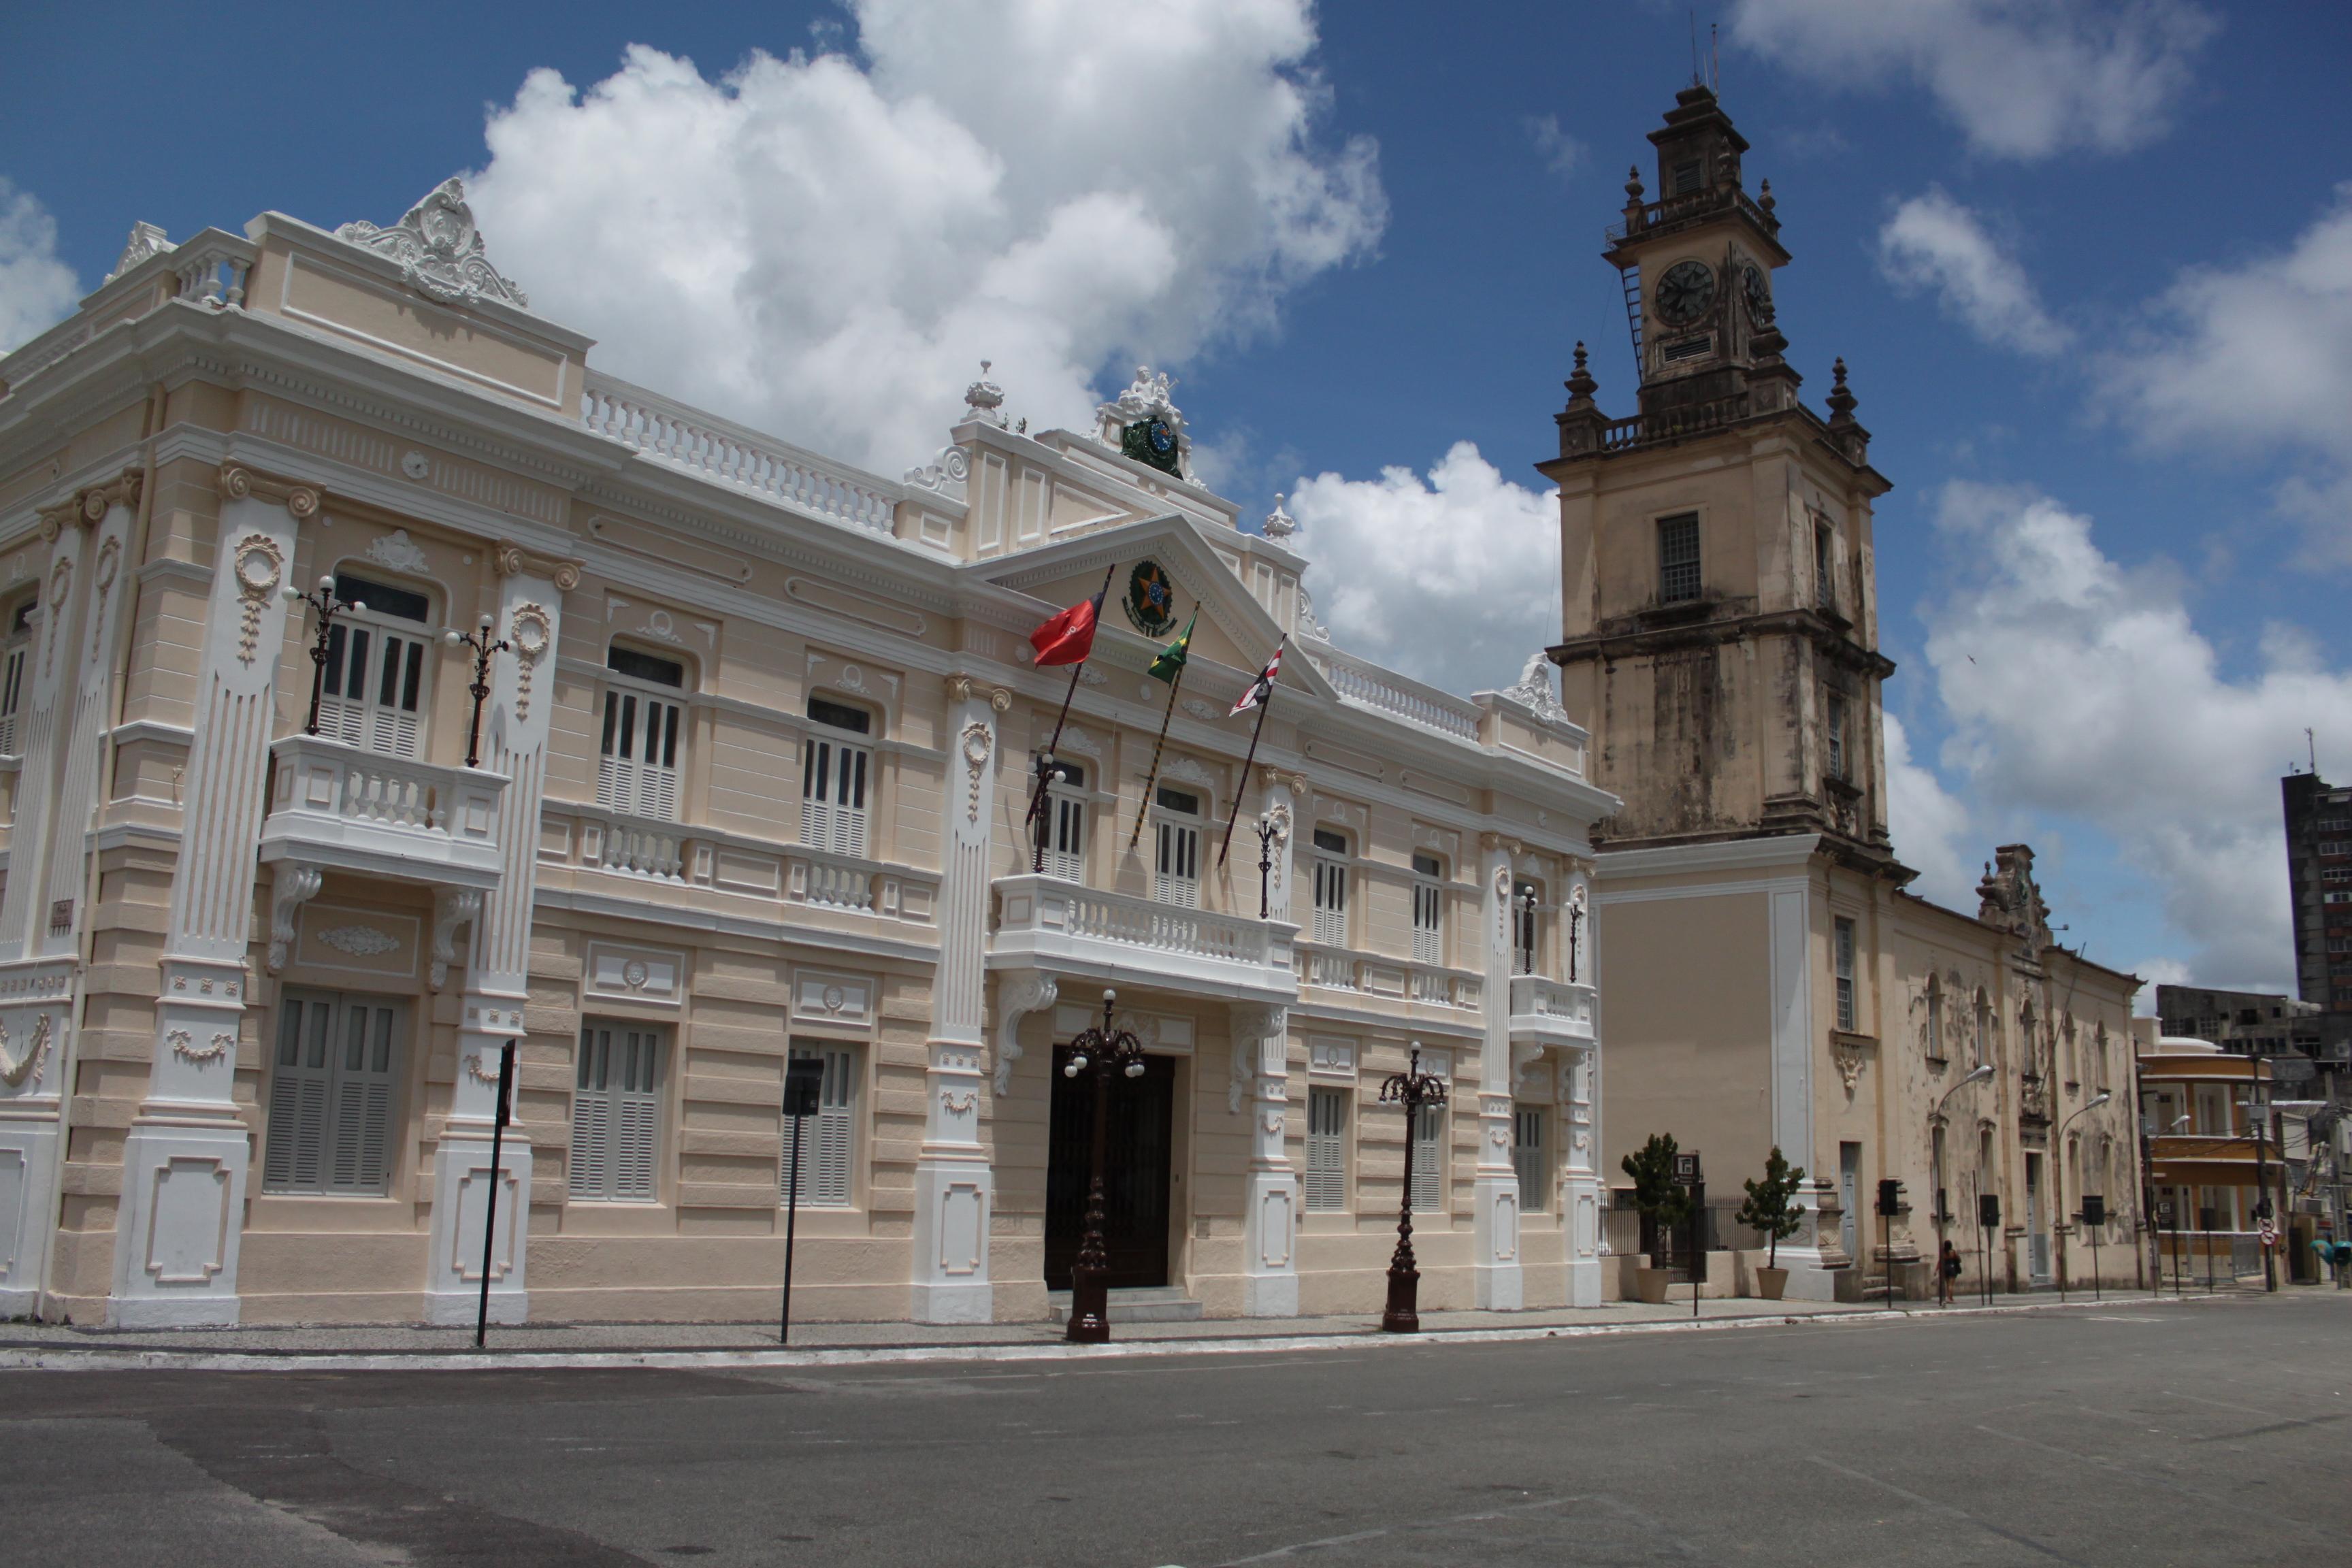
column 1760, row 292
column 1685, row 292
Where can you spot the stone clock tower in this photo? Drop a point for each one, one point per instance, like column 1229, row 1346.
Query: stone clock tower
column 1719, row 634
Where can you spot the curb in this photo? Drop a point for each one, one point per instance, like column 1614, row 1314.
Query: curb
column 23, row 1358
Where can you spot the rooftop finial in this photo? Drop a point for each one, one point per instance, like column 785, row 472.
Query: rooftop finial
column 1633, row 182
column 1764, row 197
column 983, row 399
column 1841, row 398
column 1280, row 524
column 1581, row 385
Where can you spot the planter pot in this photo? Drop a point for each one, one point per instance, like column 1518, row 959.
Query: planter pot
column 1652, row 1285
column 1770, row 1282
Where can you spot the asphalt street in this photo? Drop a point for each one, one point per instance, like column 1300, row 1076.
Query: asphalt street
column 2207, row 1433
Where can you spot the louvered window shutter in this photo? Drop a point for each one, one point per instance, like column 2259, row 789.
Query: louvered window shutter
column 1068, row 859
column 1177, row 877
column 616, row 1115
column 1331, row 904
column 1327, row 1172
column 1427, row 912
column 11, row 693
column 828, row 1139
column 1427, row 1158
column 371, row 689
column 1528, row 1154
column 334, row 1088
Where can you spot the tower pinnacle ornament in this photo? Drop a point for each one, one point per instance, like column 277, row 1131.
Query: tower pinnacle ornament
column 1279, row 524
column 439, row 250
column 983, row 399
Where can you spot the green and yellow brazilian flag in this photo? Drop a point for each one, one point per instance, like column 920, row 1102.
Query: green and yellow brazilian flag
column 1171, row 662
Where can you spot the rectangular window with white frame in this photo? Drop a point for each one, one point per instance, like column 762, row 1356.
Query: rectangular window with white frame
column 14, row 653
column 1531, row 1155
column 617, row 1113
column 637, row 769
column 1176, row 850
column 1846, row 1007
column 1428, row 910
column 837, row 768
column 828, row 1141
column 1065, row 825
column 334, row 1094
column 1429, row 1159
column 1331, row 888
column 1327, row 1150
column 371, row 688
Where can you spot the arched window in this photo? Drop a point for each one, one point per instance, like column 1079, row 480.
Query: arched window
column 373, row 688
column 1176, row 815
column 1984, row 1029
column 1332, row 866
column 1935, row 1018
column 1065, row 826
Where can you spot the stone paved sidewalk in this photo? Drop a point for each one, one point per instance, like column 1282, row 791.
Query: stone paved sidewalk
column 27, row 1343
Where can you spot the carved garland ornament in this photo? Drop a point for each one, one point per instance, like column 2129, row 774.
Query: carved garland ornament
column 184, row 1046
column 15, row 1070
column 530, row 634
column 258, row 564
column 360, row 941
column 978, row 743
column 957, row 1101
column 60, row 576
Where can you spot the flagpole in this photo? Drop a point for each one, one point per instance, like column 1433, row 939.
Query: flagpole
column 1248, row 762
column 1044, row 763
column 1153, row 777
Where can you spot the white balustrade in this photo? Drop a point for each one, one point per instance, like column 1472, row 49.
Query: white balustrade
column 213, row 271
column 1548, row 1010
column 339, row 806
column 641, row 850
column 705, row 443
column 1062, row 925
column 829, row 882
column 1370, row 686
column 1333, row 971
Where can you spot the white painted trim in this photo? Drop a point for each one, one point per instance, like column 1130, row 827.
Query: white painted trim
column 1734, row 854
column 1702, row 890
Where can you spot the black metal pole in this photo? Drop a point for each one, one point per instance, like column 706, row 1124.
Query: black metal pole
column 1153, row 777
column 1266, row 702
column 490, row 1210
column 1266, row 831
column 1089, row 1276
column 791, row 1226
column 2096, row 1293
column 328, row 605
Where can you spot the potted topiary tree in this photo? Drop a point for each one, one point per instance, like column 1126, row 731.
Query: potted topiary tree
column 1665, row 1202
column 1770, row 1210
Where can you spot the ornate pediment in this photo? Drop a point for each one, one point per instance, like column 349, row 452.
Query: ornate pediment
column 439, row 250
column 2008, row 898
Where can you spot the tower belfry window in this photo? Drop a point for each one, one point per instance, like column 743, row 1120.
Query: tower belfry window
column 1688, row 173
column 1824, row 566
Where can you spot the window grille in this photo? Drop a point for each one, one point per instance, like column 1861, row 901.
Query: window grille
column 332, row 1090
column 1327, row 1150
column 1687, row 177
column 827, row 1140
column 1824, row 567
column 1428, row 910
column 1330, row 889
column 1836, row 728
column 1528, row 1155
column 1846, row 998
column 616, row 1114
column 1678, row 558
column 1176, row 866
column 637, row 769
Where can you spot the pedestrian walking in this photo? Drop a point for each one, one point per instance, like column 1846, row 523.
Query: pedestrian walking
column 1947, row 1271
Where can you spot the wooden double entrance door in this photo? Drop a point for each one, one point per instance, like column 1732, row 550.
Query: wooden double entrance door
column 1135, row 1173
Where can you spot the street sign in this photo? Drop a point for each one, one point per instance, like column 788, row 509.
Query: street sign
column 804, row 1082
column 2164, row 1211
column 1988, row 1210
column 1890, row 1196
column 1685, row 1170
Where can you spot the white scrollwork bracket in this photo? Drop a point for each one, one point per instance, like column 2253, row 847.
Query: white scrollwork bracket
column 296, row 885
column 452, row 907
column 1253, row 1028
column 1017, row 995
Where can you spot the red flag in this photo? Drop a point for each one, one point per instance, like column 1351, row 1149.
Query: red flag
column 1069, row 637
column 1260, row 689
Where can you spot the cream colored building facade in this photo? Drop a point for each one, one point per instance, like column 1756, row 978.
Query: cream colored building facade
column 752, row 771
column 1771, row 984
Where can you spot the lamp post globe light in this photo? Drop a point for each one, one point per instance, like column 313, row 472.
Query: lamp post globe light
column 1413, row 1090
column 1102, row 1052
column 1976, row 1074
column 328, row 603
column 2058, row 1176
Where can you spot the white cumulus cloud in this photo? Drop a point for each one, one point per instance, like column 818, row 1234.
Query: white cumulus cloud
column 2083, row 691
column 2258, row 357
column 1932, row 242
column 36, row 289
column 1928, row 824
column 1453, row 578
column 827, row 248
column 2022, row 81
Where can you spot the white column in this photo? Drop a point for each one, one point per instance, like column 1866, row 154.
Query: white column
column 1789, row 927
column 185, row 1158
column 39, row 935
column 955, row 1190
column 497, row 967
column 1261, row 1047
column 1582, row 1192
column 1281, row 790
column 1495, row 1181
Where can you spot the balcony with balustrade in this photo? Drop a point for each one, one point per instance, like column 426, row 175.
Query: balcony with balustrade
column 1382, row 978
column 1065, row 929
column 343, row 808
column 1546, row 1012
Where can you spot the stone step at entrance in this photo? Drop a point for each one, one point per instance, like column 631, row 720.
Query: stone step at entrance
column 1165, row 1304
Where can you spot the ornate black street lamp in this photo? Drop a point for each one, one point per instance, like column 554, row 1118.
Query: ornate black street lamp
column 328, row 605
column 1523, row 904
column 1101, row 1052
column 1411, row 1088
column 484, row 646
column 1268, row 830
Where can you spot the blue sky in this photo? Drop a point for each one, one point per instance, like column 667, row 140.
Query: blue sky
column 2093, row 272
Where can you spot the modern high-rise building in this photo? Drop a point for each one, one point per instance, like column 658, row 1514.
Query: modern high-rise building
column 2319, row 883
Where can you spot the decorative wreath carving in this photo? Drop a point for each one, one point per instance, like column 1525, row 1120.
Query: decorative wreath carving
column 184, row 1046
column 259, row 565
column 15, row 1070
column 979, row 742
